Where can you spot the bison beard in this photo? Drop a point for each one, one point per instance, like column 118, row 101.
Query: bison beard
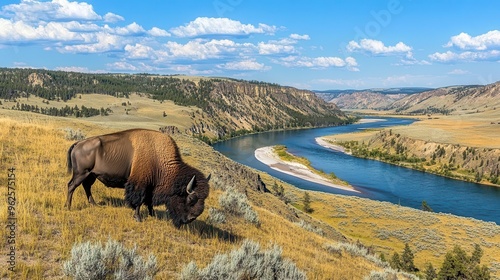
column 147, row 164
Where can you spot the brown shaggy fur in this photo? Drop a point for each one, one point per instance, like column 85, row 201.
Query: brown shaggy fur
column 147, row 164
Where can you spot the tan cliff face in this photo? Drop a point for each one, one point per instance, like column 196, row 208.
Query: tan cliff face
column 251, row 106
column 219, row 107
column 451, row 100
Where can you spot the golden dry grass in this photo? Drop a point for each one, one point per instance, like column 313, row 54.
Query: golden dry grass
column 36, row 147
column 46, row 231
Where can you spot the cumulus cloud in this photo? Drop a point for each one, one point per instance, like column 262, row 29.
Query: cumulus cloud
column 463, row 41
column 139, row 51
column 244, row 65
column 319, row 62
column 157, row 32
column 199, row 49
column 375, row 47
column 74, row 69
column 55, row 10
column 300, row 37
column 274, row 48
column 468, row 56
column 95, row 43
column 110, row 17
column 204, row 26
column 132, row 29
column 484, row 47
column 18, row 31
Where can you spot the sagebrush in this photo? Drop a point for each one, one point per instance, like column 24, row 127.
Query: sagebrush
column 247, row 262
column 112, row 261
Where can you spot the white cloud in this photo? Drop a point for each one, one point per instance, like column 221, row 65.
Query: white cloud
column 275, row 48
column 157, row 32
column 139, row 51
column 110, row 17
column 96, row 43
column 129, row 67
column 132, row 29
column 19, row 31
column 319, row 62
column 34, row 11
column 458, row 72
column 74, row 69
column 463, row 41
column 300, row 37
column 203, row 26
column 199, row 49
column 244, row 65
column 468, row 56
column 375, row 47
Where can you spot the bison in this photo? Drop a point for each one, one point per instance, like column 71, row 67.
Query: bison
column 147, row 164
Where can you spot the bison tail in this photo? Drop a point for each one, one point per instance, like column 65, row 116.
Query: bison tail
column 70, row 166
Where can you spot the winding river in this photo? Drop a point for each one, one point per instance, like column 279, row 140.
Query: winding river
column 375, row 180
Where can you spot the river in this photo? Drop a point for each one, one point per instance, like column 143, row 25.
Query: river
column 375, row 180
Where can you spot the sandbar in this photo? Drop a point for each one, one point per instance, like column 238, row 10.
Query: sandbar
column 370, row 120
column 329, row 145
column 267, row 156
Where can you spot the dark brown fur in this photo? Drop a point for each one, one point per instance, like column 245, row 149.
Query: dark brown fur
column 147, row 164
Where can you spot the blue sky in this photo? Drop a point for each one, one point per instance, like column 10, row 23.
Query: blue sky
column 305, row 44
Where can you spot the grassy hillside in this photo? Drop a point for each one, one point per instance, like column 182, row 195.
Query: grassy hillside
column 222, row 108
column 471, row 164
column 36, row 146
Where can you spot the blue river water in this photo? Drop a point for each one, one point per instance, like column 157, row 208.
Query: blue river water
column 375, row 180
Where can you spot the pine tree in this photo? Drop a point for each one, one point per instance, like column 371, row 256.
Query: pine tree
column 426, row 207
column 307, row 203
column 430, row 272
column 396, row 262
column 457, row 265
column 407, row 259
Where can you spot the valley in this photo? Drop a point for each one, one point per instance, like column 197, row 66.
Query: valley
column 36, row 145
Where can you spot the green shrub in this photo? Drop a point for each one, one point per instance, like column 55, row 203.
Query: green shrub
column 247, row 262
column 113, row 261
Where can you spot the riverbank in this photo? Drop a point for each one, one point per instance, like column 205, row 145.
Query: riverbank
column 470, row 164
column 322, row 142
column 267, row 156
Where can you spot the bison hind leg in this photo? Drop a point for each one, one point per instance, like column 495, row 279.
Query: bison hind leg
column 75, row 181
column 87, row 184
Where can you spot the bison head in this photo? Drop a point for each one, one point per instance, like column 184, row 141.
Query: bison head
column 186, row 207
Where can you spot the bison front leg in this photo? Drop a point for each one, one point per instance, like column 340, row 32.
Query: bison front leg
column 135, row 198
column 137, row 214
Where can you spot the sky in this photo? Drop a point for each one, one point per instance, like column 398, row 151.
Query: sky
column 316, row 45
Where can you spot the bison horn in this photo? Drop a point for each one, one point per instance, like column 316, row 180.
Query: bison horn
column 209, row 176
column 189, row 188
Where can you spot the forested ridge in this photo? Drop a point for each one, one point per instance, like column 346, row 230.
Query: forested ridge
column 229, row 107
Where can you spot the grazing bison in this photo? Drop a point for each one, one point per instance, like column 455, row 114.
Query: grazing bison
column 147, row 164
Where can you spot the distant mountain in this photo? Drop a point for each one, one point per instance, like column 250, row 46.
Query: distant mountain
column 451, row 100
column 377, row 98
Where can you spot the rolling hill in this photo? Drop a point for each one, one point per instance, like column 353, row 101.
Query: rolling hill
column 377, row 98
column 224, row 107
column 456, row 100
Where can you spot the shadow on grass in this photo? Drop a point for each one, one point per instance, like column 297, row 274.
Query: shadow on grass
column 113, row 201
column 205, row 230
column 201, row 228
